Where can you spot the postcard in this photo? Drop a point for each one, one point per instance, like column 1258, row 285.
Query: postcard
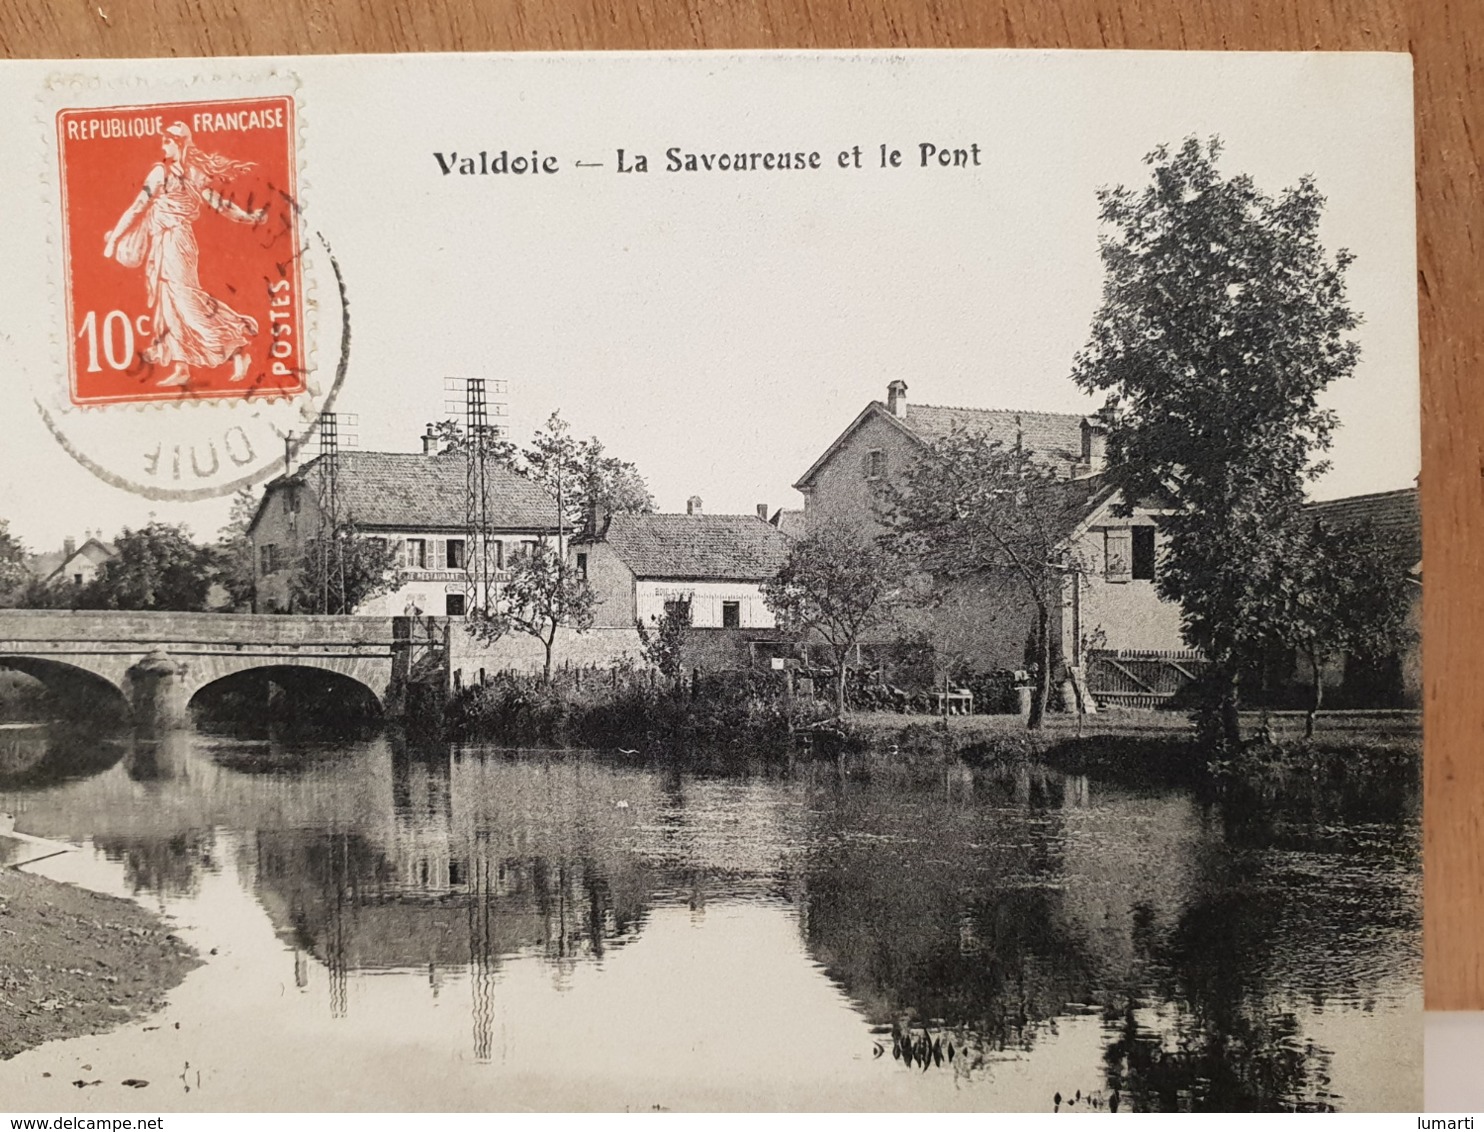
column 715, row 581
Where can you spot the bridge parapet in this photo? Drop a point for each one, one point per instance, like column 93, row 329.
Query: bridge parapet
column 158, row 661
column 91, row 625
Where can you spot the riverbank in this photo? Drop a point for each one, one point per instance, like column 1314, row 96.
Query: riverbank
column 74, row 962
column 1158, row 746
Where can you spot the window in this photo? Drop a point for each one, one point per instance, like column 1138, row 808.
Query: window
column 1117, row 550
column 77, row 579
column 875, row 464
column 731, row 615
column 417, row 553
column 457, row 560
column 497, row 554
column 582, row 566
column 1143, row 554
column 677, row 609
column 453, row 605
column 267, row 559
column 528, row 547
column 378, row 544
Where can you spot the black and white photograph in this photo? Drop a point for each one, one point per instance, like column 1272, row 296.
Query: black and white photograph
column 732, row 582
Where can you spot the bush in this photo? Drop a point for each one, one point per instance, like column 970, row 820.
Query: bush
column 628, row 707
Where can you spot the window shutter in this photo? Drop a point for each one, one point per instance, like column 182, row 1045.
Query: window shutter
column 401, row 552
column 442, row 551
column 1119, row 546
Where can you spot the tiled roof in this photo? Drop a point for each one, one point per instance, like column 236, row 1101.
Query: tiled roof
column 410, row 490
column 1055, row 438
column 730, row 547
column 1394, row 513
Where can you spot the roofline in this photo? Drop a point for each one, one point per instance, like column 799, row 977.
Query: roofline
column 112, row 552
column 839, row 442
column 1413, row 490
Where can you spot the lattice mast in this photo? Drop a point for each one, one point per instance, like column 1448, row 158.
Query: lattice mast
column 481, row 434
column 331, row 566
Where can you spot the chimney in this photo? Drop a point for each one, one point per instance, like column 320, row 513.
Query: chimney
column 762, row 512
column 430, row 441
column 896, row 398
column 693, row 505
column 69, row 547
column 1094, row 447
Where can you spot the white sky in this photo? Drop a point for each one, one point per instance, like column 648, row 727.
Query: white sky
column 721, row 329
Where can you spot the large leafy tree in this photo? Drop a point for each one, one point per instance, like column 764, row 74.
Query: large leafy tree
column 1346, row 591
column 972, row 509
column 540, row 596
column 13, row 572
column 234, row 550
column 1223, row 321
column 159, row 566
column 340, row 573
column 837, row 583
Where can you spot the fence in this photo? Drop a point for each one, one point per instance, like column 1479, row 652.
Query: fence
column 1133, row 678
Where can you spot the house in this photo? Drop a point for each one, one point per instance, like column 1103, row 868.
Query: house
column 414, row 501
column 1109, row 598
column 716, row 564
column 1386, row 681
column 78, row 565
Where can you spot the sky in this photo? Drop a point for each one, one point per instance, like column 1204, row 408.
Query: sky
column 720, row 329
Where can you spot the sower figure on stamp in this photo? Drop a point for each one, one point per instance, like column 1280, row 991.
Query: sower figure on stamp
column 191, row 327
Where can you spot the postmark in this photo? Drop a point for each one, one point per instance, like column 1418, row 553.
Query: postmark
column 187, row 284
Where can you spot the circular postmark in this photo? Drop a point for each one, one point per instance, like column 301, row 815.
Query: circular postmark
column 190, row 287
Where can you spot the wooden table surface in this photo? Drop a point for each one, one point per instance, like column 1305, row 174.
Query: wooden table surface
column 1450, row 132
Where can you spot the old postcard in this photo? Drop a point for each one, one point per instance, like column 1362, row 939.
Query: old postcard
column 833, row 581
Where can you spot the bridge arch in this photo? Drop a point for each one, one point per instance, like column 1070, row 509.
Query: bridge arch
column 260, row 692
column 75, row 681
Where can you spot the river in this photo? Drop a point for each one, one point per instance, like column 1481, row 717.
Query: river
column 470, row 928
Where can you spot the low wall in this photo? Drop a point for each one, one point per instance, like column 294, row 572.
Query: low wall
column 516, row 651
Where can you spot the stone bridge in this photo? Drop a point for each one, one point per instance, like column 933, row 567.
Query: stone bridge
column 158, row 661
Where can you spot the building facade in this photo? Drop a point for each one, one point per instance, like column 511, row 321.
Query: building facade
column 1109, row 598
column 413, row 503
column 715, row 564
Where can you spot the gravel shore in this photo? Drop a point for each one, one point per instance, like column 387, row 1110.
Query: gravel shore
column 74, row 962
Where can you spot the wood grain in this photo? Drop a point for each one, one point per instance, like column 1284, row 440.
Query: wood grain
column 1444, row 37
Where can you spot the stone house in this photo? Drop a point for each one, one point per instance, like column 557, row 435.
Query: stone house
column 643, row 564
column 79, row 565
column 413, row 501
column 1392, row 681
column 1109, row 599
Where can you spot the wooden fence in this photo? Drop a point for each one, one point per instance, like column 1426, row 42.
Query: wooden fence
column 1134, row 678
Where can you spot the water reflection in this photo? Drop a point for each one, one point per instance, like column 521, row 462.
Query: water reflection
column 971, row 917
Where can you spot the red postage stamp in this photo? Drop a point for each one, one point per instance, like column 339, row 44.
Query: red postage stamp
column 182, row 264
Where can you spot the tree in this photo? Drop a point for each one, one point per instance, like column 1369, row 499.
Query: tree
column 1346, row 591
column 234, row 550
column 836, row 583
column 157, row 567
column 341, row 573
column 539, row 596
column 664, row 646
column 1222, row 322
column 13, row 572
column 590, row 485
column 973, row 509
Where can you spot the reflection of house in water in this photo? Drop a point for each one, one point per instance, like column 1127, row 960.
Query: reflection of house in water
column 450, row 883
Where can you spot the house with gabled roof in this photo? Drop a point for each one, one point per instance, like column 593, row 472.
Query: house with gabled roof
column 78, row 565
column 1394, row 680
column 413, row 501
column 1109, row 602
column 716, row 564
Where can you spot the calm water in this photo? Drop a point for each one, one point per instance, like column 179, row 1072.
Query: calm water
column 472, row 928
